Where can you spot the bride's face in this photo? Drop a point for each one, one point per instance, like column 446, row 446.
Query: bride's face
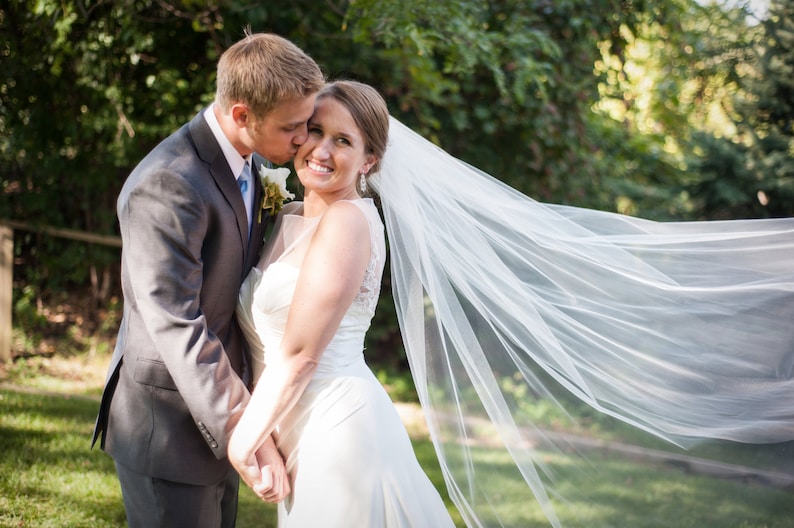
column 334, row 154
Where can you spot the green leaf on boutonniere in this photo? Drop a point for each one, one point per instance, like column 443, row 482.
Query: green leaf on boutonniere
column 274, row 187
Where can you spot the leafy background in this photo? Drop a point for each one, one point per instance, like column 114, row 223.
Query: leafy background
column 669, row 109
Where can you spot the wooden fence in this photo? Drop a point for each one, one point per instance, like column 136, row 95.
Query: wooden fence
column 7, row 228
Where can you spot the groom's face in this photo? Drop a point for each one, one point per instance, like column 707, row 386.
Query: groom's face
column 277, row 135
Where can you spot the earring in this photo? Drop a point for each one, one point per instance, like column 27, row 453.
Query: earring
column 362, row 183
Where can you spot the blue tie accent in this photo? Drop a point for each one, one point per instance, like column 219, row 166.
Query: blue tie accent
column 242, row 181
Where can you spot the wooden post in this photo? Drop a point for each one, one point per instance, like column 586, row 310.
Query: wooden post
column 7, row 268
column 6, row 288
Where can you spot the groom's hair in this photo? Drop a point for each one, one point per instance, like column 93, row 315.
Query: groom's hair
column 263, row 70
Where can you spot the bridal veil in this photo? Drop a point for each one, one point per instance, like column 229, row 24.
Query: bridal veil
column 684, row 330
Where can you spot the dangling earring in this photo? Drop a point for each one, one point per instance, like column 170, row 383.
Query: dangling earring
column 362, row 183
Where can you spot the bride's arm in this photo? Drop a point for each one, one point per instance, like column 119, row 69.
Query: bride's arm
column 329, row 280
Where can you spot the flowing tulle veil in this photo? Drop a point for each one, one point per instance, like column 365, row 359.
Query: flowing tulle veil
column 683, row 330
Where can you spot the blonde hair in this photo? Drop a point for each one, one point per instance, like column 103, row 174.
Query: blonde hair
column 369, row 111
column 263, row 70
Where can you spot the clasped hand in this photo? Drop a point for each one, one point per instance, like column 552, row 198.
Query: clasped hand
column 264, row 471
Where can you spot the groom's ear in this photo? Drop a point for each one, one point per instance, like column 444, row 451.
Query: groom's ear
column 241, row 115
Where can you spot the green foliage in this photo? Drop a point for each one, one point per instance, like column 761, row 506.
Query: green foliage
column 668, row 110
column 503, row 85
column 769, row 116
column 727, row 188
column 398, row 383
column 696, row 86
column 640, row 177
column 86, row 89
column 26, row 311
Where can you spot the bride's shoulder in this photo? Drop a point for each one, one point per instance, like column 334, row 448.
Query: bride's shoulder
column 346, row 216
column 365, row 205
column 345, row 210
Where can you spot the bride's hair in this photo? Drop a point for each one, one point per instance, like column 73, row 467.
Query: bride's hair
column 369, row 111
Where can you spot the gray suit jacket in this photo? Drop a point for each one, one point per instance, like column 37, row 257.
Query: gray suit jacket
column 175, row 386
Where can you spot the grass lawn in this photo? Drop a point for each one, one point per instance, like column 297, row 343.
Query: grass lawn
column 50, row 478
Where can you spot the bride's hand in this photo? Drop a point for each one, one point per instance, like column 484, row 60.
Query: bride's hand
column 246, row 465
column 274, row 486
column 263, row 472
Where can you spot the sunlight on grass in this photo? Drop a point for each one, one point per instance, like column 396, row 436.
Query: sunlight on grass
column 252, row 512
column 82, row 374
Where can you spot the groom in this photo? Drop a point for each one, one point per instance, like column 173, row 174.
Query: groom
column 177, row 383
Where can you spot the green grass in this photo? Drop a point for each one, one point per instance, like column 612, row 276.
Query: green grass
column 50, row 478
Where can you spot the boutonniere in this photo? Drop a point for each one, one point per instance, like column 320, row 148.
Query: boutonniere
column 274, row 189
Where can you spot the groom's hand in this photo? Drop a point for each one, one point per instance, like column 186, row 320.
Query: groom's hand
column 247, row 467
column 274, row 485
column 263, row 472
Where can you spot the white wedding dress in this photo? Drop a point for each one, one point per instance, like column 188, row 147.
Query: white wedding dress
column 348, row 454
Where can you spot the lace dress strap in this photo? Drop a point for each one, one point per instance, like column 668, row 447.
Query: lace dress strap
column 367, row 297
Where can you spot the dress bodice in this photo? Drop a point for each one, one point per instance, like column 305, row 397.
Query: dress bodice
column 266, row 294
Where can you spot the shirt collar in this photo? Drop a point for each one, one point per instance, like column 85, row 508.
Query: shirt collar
column 233, row 158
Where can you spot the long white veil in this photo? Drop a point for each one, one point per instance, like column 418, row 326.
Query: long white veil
column 684, row 330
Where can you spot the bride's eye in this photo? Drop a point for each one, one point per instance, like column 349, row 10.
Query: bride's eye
column 315, row 130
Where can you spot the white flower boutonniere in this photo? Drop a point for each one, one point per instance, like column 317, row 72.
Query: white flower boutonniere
column 274, row 186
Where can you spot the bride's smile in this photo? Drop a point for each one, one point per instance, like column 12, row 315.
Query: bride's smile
column 316, row 167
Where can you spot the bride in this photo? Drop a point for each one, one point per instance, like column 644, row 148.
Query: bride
column 682, row 330
column 305, row 308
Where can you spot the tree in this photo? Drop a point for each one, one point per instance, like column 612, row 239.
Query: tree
column 510, row 86
column 768, row 116
column 673, row 90
column 504, row 85
column 86, row 88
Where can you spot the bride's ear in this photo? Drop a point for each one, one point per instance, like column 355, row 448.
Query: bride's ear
column 371, row 161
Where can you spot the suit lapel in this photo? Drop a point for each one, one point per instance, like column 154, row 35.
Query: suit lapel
column 260, row 219
column 210, row 152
